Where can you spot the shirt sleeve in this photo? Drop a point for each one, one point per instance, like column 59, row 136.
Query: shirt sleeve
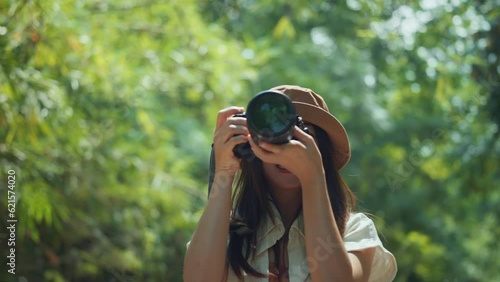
column 360, row 234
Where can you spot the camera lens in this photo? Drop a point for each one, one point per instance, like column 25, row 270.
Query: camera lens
column 271, row 117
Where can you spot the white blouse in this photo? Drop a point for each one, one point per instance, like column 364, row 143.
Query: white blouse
column 360, row 233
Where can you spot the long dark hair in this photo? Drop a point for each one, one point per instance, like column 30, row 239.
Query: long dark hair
column 251, row 204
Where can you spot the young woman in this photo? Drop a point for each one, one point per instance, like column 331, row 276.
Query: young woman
column 290, row 216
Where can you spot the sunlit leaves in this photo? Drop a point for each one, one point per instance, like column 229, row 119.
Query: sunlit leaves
column 284, row 28
column 107, row 110
column 424, row 252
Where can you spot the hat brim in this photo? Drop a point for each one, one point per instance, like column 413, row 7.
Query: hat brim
column 332, row 126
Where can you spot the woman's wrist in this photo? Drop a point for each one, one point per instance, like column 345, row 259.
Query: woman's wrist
column 313, row 188
column 223, row 181
column 313, row 181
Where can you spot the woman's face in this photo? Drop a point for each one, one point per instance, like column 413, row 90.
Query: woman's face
column 279, row 177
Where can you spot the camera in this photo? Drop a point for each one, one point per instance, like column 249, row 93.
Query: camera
column 271, row 118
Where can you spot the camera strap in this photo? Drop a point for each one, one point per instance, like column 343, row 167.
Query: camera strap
column 211, row 169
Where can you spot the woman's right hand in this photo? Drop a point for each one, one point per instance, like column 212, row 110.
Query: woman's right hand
column 229, row 132
column 205, row 259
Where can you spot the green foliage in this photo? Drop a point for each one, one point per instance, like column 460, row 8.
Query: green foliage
column 107, row 111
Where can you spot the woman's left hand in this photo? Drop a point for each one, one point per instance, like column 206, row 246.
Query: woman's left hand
column 300, row 156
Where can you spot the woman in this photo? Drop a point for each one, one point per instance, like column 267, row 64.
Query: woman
column 291, row 217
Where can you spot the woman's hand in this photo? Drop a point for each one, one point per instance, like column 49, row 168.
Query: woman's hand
column 229, row 132
column 300, row 156
column 205, row 259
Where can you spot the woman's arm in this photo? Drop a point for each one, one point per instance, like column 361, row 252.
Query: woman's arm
column 327, row 257
column 205, row 258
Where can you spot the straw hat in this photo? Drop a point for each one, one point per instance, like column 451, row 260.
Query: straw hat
column 313, row 109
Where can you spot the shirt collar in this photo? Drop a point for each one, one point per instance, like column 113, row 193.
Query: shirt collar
column 271, row 231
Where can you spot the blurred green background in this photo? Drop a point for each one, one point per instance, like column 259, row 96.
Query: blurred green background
column 107, row 110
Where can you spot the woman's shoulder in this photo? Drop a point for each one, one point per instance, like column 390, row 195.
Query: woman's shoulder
column 361, row 233
column 359, row 221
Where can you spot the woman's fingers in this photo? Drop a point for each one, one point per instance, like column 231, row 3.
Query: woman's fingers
column 273, row 148
column 298, row 156
column 235, row 140
column 269, row 152
column 232, row 127
column 301, row 136
column 224, row 114
column 229, row 132
column 260, row 152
